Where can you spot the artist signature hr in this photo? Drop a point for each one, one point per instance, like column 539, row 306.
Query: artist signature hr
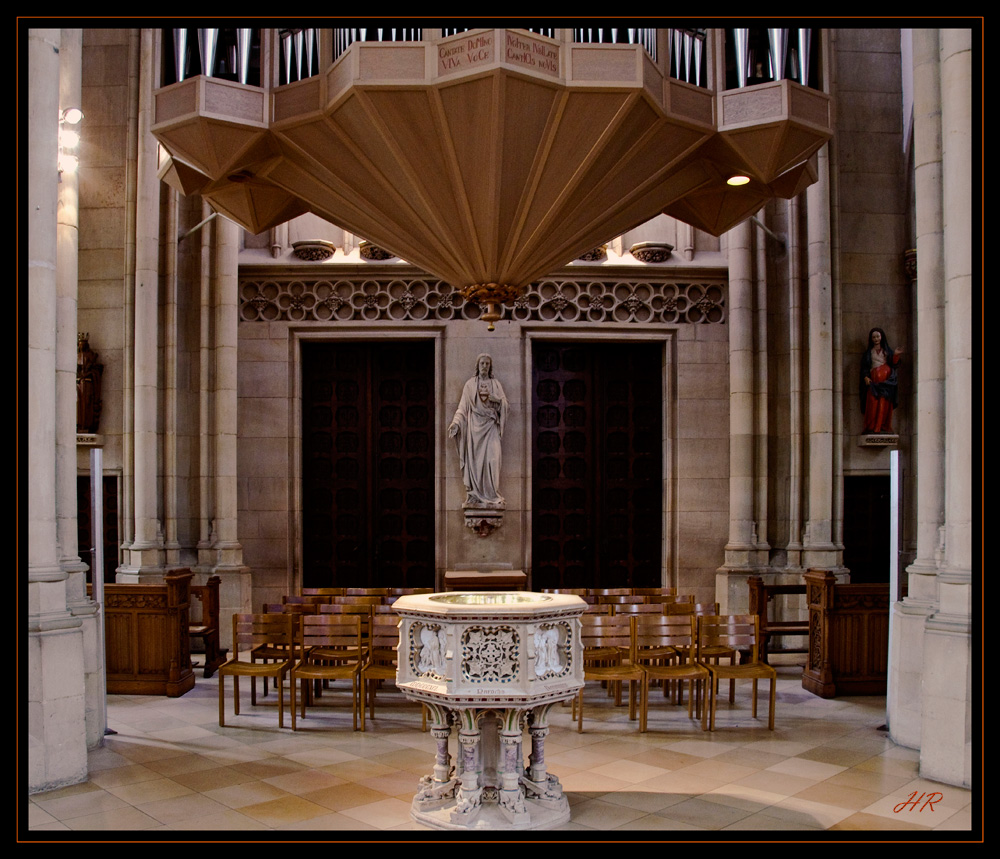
column 928, row 799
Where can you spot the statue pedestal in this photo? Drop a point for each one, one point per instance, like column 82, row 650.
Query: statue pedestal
column 878, row 439
column 491, row 664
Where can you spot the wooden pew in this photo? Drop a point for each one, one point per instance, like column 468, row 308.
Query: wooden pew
column 848, row 637
column 761, row 597
column 204, row 624
column 147, row 648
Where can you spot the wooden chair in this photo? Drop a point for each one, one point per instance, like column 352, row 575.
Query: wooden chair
column 320, row 635
column 363, row 611
column 380, row 664
column 275, row 653
column 274, row 633
column 737, row 633
column 654, row 592
column 677, row 635
column 605, row 638
column 367, row 592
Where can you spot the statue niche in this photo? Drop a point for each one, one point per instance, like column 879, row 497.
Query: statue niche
column 88, row 387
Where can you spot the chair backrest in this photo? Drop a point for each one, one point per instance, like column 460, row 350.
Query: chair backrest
column 666, row 599
column 735, row 631
column 402, row 592
column 306, row 599
column 603, row 592
column 620, row 599
column 691, row 608
column 367, row 592
column 636, row 608
column 580, row 592
column 654, row 592
column 384, row 633
column 341, row 631
column 606, row 630
column 253, row 630
column 353, row 599
column 665, row 630
column 290, row 608
column 324, row 592
column 363, row 611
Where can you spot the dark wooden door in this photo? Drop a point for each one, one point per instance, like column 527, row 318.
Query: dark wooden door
column 597, row 465
column 867, row 520
column 368, row 464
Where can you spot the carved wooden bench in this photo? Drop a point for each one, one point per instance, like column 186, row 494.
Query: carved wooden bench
column 204, row 624
column 761, row 598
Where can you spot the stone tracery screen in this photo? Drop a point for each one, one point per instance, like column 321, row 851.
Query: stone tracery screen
column 393, row 299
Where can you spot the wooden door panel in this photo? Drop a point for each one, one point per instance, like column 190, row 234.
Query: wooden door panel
column 368, row 466
column 597, row 465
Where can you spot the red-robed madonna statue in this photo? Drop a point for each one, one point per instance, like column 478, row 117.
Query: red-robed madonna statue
column 878, row 385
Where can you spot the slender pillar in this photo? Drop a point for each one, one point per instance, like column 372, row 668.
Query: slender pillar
column 946, row 731
column 225, row 548
column 67, row 250
column 904, row 702
column 145, row 555
column 57, row 743
column 819, row 551
column 730, row 587
column 794, row 389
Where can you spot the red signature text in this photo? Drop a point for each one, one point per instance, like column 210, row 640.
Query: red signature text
column 914, row 801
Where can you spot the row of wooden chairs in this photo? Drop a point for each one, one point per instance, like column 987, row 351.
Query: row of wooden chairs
column 641, row 648
column 309, row 649
column 624, row 596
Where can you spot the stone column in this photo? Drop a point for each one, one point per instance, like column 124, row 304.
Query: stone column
column 946, row 730
column 67, row 249
column 57, row 742
column 731, row 587
column 228, row 553
column 145, row 555
column 819, row 551
column 903, row 702
column 795, row 346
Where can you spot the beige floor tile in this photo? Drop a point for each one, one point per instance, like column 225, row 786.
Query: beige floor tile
column 705, row 815
column 283, row 811
column 123, row 777
column 839, row 795
column 345, row 795
column 205, row 780
column 860, row 821
column 120, row 820
column 383, row 814
column 140, row 793
column 599, row 814
column 247, row 793
column 79, row 804
column 302, row 782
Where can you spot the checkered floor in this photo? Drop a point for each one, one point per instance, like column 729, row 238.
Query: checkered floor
column 169, row 767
